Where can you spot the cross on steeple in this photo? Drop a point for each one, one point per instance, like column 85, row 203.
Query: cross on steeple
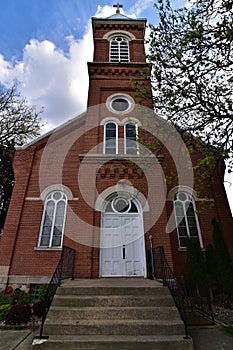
column 118, row 6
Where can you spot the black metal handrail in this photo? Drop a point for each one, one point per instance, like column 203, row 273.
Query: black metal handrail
column 161, row 271
column 64, row 270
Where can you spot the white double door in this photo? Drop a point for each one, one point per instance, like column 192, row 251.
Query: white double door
column 122, row 251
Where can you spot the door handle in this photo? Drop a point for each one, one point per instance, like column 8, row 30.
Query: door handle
column 123, row 251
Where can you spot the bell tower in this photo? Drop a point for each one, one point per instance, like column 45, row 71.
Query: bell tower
column 119, row 54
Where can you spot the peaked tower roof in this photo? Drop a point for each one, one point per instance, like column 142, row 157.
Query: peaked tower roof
column 118, row 16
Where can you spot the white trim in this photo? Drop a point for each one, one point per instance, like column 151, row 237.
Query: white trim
column 109, row 120
column 74, row 118
column 52, row 249
column 123, row 187
column 127, row 97
column 56, row 187
column 109, row 35
column 131, row 120
column 39, row 199
column 181, row 188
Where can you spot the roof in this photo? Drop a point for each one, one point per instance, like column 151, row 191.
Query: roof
column 118, row 16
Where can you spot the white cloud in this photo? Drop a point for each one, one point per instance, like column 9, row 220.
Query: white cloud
column 141, row 6
column 51, row 79
column 54, row 80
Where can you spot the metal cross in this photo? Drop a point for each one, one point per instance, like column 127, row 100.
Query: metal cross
column 118, row 6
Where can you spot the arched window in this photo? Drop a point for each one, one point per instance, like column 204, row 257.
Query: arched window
column 131, row 134
column 111, row 138
column 186, row 219
column 53, row 220
column 119, row 49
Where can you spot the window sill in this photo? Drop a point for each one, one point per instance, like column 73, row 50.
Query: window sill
column 184, row 249
column 100, row 158
column 48, row 248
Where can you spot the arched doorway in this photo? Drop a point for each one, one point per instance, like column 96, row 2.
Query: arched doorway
column 122, row 245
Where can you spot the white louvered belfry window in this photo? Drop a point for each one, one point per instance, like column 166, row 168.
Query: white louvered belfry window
column 119, row 49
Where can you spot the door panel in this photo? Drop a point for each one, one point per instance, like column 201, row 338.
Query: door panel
column 122, row 242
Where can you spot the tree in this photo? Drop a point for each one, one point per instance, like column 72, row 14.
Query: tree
column 196, row 273
column 211, row 263
column 223, row 259
column 190, row 52
column 18, row 123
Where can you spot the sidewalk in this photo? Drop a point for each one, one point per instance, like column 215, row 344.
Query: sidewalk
column 204, row 338
column 16, row 340
column 211, row 338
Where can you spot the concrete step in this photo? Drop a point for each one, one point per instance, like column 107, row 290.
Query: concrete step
column 94, row 342
column 116, row 327
column 114, row 300
column 114, row 313
column 69, row 290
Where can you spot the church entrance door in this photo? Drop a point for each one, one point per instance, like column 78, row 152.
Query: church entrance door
column 122, row 252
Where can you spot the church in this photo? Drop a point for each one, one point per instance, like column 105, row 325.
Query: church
column 110, row 183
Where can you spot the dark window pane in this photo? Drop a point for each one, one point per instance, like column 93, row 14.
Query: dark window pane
column 131, row 131
column 183, row 242
column 182, row 231
column 44, row 241
column 133, row 208
column 56, row 241
column 120, row 104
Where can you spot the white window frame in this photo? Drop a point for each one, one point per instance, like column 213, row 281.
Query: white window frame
column 119, row 49
column 186, row 219
column 110, row 100
column 104, row 143
column 48, row 198
column 125, row 139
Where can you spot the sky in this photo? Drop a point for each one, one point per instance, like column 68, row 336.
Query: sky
column 45, row 46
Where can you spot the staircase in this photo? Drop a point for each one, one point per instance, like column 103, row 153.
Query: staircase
column 113, row 314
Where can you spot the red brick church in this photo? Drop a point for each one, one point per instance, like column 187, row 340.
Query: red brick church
column 94, row 184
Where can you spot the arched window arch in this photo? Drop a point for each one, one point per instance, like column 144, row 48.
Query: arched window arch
column 130, row 138
column 119, row 49
column 110, row 138
column 53, row 220
column 186, row 219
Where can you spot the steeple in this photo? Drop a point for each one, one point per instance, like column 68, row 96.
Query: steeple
column 119, row 54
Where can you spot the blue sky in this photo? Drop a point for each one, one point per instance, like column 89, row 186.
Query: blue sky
column 54, row 20
column 45, row 46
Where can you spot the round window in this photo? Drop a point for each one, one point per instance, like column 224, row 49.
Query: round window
column 118, row 103
column 121, row 205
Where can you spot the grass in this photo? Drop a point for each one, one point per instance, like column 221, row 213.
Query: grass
column 229, row 329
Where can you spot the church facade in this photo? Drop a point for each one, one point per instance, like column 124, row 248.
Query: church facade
column 110, row 182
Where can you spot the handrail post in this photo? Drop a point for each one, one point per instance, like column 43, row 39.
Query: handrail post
column 161, row 253
column 72, row 271
column 152, row 257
